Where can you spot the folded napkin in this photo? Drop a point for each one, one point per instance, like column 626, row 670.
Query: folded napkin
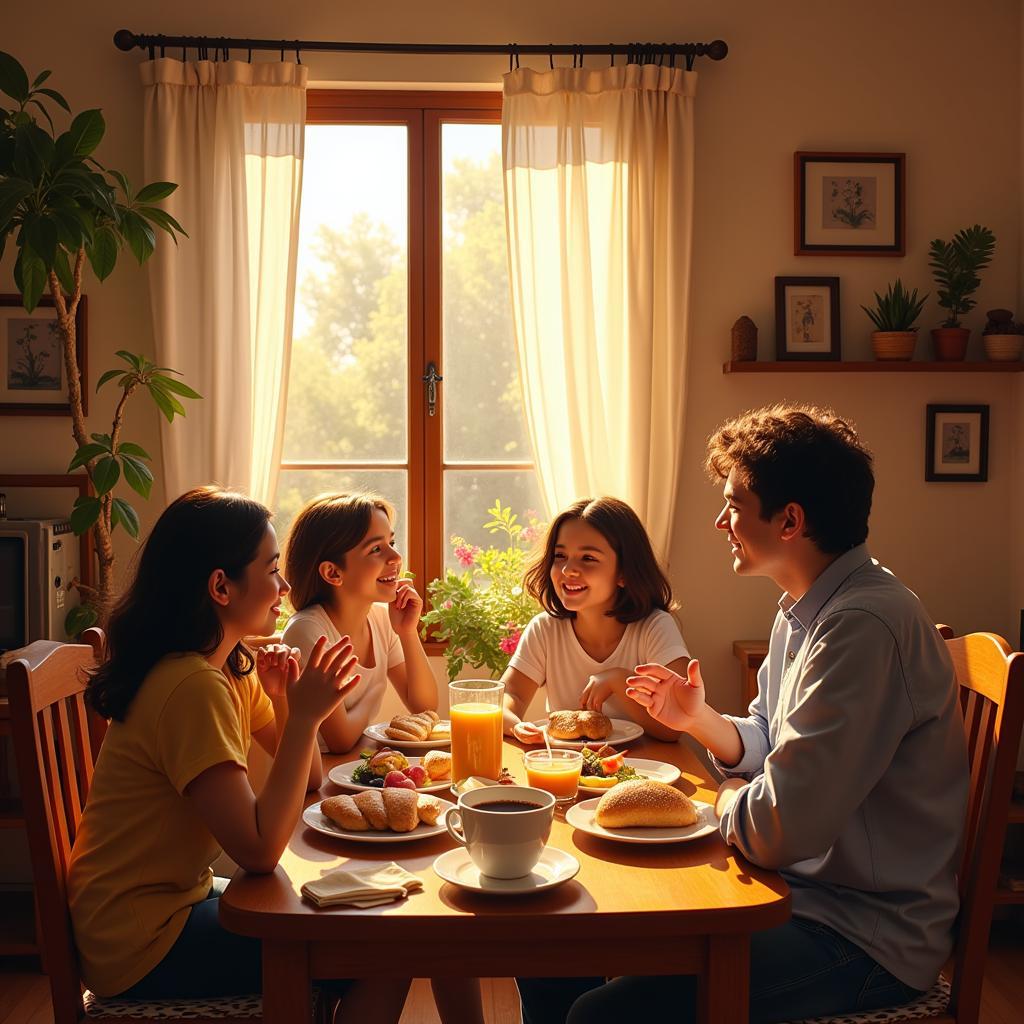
column 362, row 887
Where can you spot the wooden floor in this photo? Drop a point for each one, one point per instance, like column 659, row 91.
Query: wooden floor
column 25, row 997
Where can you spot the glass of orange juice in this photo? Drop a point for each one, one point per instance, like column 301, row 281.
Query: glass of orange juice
column 556, row 771
column 474, row 707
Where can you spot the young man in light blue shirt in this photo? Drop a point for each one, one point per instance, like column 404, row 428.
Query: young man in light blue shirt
column 849, row 772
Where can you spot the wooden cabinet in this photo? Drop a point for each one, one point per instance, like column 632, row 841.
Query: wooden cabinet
column 750, row 654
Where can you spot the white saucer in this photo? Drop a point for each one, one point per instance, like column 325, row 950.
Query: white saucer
column 581, row 816
column 376, row 732
column 553, row 868
column 660, row 771
column 319, row 822
column 341, row 775
column 623, row 731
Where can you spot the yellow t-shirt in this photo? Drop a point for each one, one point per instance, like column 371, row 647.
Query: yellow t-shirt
column 142, row 855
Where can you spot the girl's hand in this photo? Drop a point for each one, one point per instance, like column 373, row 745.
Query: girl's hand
column 277, row 667
column 324, row 681
column 406, row 608
column 599, row 688
column 527, row 732
column 669, row 698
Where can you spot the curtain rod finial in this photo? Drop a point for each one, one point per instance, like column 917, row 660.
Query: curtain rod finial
column 718, row 49
column 124, row 40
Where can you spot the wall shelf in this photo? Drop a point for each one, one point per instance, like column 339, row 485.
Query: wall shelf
column 879, row 366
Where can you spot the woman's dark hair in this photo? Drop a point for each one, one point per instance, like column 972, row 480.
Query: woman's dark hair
column 645, row 586
column 806, row 455
column 326, row 529
column 167, row 609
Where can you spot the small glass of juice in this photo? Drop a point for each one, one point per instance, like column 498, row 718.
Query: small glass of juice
column 556, row 771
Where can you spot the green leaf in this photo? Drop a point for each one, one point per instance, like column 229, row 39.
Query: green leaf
column 162, row 219
column 63, row 271
column 84, row 514
column 41, row 143
column 138, row 475
column 109, row 375
column 140, row 236
column 40, row 78
column 155, row 191
column 79, row 619
column 33, row 278
column 123, row 182
column 102, row 252
column 134, row 361
column 166, row 403
column 121, row 512
column 41, row 234
column 129, row 448
column 13, row 79
column 44, row 112
column 175, row 386
column 86, row 132
column 84, row 454
column 103, row 439
column 106, row 474
column 56, row 97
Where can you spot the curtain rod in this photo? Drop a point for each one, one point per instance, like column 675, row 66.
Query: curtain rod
column 716, row 50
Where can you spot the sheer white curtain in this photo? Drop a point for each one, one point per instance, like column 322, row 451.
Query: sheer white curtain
column 599, row 203
column 231, row 135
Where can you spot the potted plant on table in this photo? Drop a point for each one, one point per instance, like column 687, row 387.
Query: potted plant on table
column 64, row 210
column 955, row 266
column 894, row 316
column 1003, row 337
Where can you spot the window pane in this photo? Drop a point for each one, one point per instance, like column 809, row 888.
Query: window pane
column 347, row 390
column 468, row 496
column 483, row 415
column 296, row 487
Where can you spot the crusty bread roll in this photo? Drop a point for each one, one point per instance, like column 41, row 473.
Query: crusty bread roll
column 412, row 727
column 644, row 803
column 429, row 808
column 371, row 803
column 343, row 811
column 575, row 725
column 438, row 764
column 400, row 805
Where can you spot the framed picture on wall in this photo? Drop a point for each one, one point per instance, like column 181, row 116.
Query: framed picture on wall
column 807, row 318
column 33, row 381
column 849, row 204
column 956, row 446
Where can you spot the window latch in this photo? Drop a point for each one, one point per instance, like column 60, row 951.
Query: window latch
column 431, row 378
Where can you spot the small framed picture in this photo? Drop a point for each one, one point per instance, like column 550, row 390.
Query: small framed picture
column 849, row 204
column 807, row 318
column 33, row 380
column 956, row 449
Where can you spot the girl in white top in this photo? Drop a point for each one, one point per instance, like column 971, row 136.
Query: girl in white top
column 345, row 575
column 606, row 610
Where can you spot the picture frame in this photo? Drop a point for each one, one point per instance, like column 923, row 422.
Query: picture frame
column 849, row 204
column 33, row 379
column 956, row 444
column 807, row 319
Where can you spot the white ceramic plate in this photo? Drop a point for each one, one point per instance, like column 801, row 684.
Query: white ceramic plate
column 319, row 822
column 657, row 770
column 623, row 731
column 581, row 816
column 553, row 868
column 376, row 732
column 341, row 775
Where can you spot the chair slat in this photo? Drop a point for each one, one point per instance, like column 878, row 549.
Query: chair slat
column 85, row 759
column 52, row 789
column 70, row 784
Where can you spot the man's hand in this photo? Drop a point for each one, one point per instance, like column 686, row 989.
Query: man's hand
column 277, row 667
column 669, row 698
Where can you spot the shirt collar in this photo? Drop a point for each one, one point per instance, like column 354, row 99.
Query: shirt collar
column 806, row 610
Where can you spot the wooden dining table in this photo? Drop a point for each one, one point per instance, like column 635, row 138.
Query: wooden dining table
column 679, row 908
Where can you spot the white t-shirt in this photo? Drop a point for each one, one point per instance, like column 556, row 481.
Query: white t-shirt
column 306, row 627
column 550, row 655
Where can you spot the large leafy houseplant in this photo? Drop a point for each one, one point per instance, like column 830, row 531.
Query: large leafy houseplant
column 897, row 310
column 63, row 208
column 482, row 611
column 956, row 265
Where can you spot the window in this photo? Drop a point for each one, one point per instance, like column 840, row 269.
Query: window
column 402, row 264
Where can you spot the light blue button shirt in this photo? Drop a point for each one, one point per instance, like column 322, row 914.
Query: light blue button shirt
column 854, row 747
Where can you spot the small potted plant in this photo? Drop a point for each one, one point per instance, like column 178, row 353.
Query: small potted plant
column 1003, row 337
column 895, row 315
column 955, row 266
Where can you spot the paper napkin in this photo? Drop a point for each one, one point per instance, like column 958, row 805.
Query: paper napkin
column 362, row 887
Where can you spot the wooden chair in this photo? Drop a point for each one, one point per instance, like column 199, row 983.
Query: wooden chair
column 991, row 678
column 56, row 747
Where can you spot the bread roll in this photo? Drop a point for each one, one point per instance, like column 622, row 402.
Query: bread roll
column 371, row 803
column 574, row 725
column 343, row 811
column 438, row 764
column 400, row 805
column 644, row 803
column 412, row 727
column 429, row 808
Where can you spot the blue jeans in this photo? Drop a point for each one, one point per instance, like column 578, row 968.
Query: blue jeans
column 800, row 969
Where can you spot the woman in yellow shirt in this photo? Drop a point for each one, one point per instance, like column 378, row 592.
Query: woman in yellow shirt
column 171, row 790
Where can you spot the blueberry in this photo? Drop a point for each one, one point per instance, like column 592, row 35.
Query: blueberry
column 377, row 782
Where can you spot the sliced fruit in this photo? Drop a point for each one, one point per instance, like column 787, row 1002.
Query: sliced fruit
column 417, row 773
column 596, row 782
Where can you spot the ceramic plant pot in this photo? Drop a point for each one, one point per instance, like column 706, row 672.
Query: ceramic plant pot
column 950, row 343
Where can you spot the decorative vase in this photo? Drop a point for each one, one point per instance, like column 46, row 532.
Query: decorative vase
column 1003, row 348
column 893, row 344
column 744, row 340
column 950, row 343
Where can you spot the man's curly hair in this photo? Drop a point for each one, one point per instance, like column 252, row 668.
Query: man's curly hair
column 803, row 454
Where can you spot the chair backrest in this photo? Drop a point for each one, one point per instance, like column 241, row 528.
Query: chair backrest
column 991, row 678
column 53, row 740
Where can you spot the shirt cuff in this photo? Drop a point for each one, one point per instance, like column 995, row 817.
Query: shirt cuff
column 755, row 749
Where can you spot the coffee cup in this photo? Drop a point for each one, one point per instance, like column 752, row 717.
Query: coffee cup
column 504, row 828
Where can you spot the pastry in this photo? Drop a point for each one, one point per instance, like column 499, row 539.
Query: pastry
column 438, row 764
column 574, row 725
column 386, row 760
column 412, row 727
column 429, row 808
column 400, row 805
column 645, row 803
column 371, row 803
column 342, row 810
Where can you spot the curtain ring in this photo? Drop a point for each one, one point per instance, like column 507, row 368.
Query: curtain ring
column 298, row 54
column 282, row 54
column 551, row 56
column 152, row 52
column 689, row 61
column 611, row 54
column 163, row 52
column 250, row 54
column 581, row 56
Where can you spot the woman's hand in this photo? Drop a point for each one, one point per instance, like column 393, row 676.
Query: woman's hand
column 277, row 667
column 527, row 732
column 406, row 608
column 324, row 681
column 600, row 687
column 669, row 698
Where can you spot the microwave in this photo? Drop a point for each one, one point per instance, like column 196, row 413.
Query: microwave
column 38, row 560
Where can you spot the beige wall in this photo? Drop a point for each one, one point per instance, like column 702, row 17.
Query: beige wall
column 938, row 80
